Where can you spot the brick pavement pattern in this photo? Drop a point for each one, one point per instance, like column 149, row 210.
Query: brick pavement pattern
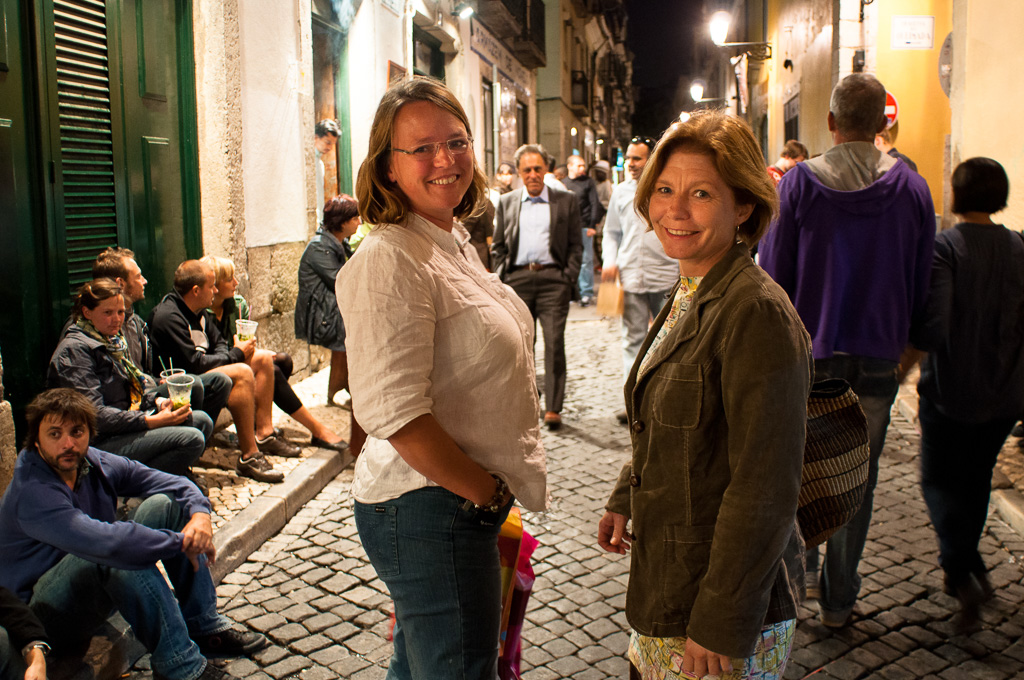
column 312, row 591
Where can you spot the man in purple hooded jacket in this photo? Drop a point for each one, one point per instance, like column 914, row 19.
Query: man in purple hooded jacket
column 853, row 248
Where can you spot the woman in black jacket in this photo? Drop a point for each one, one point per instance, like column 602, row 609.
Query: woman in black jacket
column 317, row 318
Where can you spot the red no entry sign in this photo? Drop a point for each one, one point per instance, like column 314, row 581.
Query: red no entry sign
column 892, row 109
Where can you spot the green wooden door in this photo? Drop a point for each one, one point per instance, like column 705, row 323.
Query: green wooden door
column 22, row 219
column 100, row 120
column 159, row 135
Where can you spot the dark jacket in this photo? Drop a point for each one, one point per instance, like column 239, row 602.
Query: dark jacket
column 974, row 328
column 41, row 519
column 591, row 210
column 170, row 327
column 83, row 364
column 317, row 318
column 718, row 419
column 566, row 241
column 17, row 619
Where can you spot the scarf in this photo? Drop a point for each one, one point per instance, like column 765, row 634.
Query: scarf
column 117, row 347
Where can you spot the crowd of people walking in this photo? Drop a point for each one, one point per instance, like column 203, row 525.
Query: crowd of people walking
column 742, row 284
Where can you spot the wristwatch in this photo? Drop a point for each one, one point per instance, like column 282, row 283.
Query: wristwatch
column 494, row 505
column 36, row 644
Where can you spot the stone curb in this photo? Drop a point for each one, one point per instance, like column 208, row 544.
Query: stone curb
column 270, row 511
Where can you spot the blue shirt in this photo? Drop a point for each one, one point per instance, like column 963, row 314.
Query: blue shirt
column 535, row 230
column 42, row 519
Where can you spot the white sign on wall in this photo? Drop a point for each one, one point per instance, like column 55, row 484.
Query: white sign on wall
column 916, row 32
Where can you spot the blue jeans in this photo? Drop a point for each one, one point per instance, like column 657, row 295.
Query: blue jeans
column 638, row 310
column 875, row 382
column 172, row 449
column 75, row 596
column 12, row 665
column 956, row 481
column 441, row 566
column 586, row 278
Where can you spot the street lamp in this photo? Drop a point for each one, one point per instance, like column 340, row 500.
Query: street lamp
column 719, row 27
column 697, row 90
column 463, row 10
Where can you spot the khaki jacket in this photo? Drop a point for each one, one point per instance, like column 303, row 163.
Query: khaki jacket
column 717, row 421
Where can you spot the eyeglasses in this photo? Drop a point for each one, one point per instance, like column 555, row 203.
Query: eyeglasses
column 643, row 140
column 428, row 152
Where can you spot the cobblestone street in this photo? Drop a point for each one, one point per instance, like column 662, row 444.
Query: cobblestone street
column 312, row 591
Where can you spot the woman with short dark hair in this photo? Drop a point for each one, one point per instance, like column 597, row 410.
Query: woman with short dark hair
column 971, row 390
column 317, row 319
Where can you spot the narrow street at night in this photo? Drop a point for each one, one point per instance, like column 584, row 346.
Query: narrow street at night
column 311, row 589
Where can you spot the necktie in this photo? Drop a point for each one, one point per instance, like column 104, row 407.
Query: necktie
column 536, row 199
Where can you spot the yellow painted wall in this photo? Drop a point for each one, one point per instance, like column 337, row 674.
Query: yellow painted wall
column 801, row 31
column 912, row 77
column 987, row 63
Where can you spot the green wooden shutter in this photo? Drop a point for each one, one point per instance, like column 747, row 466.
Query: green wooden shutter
column 86, row 134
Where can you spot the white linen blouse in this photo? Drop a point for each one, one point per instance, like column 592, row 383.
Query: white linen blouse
column 428, row 332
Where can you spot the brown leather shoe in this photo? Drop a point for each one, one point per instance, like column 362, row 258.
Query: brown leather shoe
column 552, row 420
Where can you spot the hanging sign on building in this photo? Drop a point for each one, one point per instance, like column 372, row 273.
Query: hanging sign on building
column 915, row 32
column 488, row 47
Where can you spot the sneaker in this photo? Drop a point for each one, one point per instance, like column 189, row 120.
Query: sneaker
column 586, row 301
column 231, row 642
column 258, row 468
column 340, row 446
column 276, row 446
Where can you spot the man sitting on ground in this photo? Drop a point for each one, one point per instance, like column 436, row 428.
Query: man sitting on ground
column 210, row 390
column 185, row 335
column 63, row 552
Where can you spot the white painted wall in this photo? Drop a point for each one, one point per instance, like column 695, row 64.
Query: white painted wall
column 377, row 36
column 275, row 74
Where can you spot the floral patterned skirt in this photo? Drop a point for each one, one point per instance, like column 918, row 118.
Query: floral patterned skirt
column 662, row 658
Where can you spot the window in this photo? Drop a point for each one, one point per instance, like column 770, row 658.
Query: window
column 791, row 115
column 427, row 57
column 522, row 130
column 487, row 90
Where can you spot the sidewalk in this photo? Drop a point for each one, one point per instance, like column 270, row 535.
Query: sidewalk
column 311, row 589
column 245, row 512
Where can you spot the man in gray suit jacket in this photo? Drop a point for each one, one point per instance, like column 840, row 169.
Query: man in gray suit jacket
column 537, row 250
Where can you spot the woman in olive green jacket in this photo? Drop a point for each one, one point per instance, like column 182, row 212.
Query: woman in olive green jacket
column 717, row 405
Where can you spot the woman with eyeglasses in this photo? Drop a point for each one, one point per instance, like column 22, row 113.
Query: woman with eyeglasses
column 441, row 368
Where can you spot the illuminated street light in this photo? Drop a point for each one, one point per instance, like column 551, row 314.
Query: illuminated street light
column 697, row 90
column 463, row 10
column 684, row 116
column 719, row 27
column 573, row 131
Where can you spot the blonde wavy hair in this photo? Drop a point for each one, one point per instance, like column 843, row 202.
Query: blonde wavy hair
column 380, row 199
column 737, row 157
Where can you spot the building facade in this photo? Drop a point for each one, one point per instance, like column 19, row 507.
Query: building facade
column 179, row 128
column 584, row 101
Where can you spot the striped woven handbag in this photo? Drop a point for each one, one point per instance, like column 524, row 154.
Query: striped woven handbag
column 835, row 469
